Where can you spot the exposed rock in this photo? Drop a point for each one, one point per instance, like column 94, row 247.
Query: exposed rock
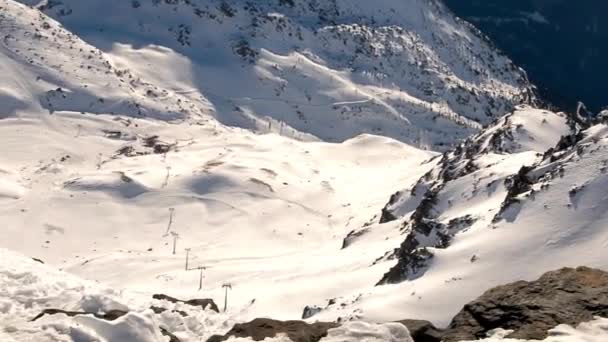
column 413, row 255
column 386, row 215
column 204, row 303
column 108, row 316
column 156, row 145
column 567, row 296
column 422, row 331
column 516, row 185
column 172, row 338
column 38, row 260
column 353, row 235
column 310, row 311
column 261, row 328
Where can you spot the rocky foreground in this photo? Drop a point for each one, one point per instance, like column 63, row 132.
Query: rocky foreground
column 530, row 309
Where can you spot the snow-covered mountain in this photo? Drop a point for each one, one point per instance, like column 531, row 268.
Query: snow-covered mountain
column 328, row 70
column 180, row 146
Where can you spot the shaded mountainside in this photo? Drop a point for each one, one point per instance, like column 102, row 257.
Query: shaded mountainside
column 310, row 69
column 560, row 43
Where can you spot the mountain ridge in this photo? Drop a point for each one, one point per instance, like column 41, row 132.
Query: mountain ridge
column 327, row 71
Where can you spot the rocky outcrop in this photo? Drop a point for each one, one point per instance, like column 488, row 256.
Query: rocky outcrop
column 310, row 311
column 566, row 296
column 422, row 331
column 204, row 303
column 353, row 235
column 530, row 309
column 261, row 328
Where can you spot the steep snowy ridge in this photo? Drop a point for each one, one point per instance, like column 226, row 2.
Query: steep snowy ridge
column 523, row 197
column 443, row 199
column 408, row 70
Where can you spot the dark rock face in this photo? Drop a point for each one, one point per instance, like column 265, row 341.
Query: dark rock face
column 422, row 331
column 353, row 235
column 310, row 311
column 567, row 296
column 203, row 303
column 261, row 328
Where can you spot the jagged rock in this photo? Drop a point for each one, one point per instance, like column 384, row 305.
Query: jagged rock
column 172, row 338
column 566, row 296
column 422, row 331
column 310, row 311
column 386, row 215
column 352, row 236
column 108, row 316
column 261, row 328
column 204, row 303
column 516, row 185
column 412, row 256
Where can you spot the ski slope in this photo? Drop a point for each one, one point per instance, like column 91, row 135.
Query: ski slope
column 266, row 221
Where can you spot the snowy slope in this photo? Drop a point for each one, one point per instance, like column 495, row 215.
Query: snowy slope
column 408, row 70
column 263, row 212
column 27, row 287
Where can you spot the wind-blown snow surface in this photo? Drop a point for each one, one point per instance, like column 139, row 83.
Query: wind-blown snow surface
column 328, row 70
column 27, row 287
